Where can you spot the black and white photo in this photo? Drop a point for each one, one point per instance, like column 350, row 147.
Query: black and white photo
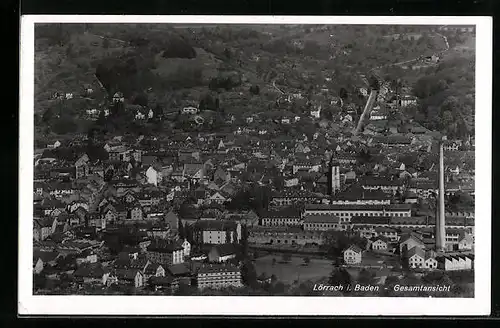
column 336, row 159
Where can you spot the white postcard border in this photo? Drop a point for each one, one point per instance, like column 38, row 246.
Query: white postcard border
column 29, row 304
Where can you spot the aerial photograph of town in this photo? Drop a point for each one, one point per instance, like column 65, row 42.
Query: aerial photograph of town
column 242, row 159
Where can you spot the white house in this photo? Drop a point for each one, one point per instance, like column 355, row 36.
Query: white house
column 118, row 97
column 416, row 257
column 316, row 113
column 430, row 263
column 139, row 115
column 54, row 145
column 217, row 198
column 408, row 100
column 190, row 110
column 186, row 246
column 153, row 176
column 291, row 182
column 376, row 115
column 352, row 255
column 379, row 244
column 347, row 118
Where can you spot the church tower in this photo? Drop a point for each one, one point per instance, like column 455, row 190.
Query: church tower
column 333, row 177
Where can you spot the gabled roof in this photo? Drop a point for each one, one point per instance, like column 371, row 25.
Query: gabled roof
column 152, row 268
column 215, row 225
column 45, row 256
column 381, row 238
column 126, row 274
column 225, row 249
column 354, row 248
column 416, row 251
column 90, row 271
column 179, row 269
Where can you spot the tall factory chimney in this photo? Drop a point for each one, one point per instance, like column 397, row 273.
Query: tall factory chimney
column 440, row 216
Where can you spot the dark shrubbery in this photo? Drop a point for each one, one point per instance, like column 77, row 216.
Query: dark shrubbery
column 178, row 48
column 225, row 82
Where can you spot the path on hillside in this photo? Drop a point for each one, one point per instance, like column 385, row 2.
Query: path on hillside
column 415, row 59
column 108, row 38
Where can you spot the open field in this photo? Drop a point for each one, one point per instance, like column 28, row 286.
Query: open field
column 288, row 272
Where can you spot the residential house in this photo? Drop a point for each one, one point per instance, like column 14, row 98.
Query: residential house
column 154, row 175
column 190, row 110
column 466, row 242
column 160, row 251
column 353, row 255
column 153, row 270
column 194, row 171
column 42, row 259
column 91, row 274
column 43, row 228
column 217, row 197
column 172, row 220
column 82, row 166
column 430, row 261
column 416, row 258
column 410, row 241
column 131, row 277
column 186, row 246
column 379, row 243
column 118, row 97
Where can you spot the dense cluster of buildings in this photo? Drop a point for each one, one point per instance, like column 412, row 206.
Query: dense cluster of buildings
column 158, row 211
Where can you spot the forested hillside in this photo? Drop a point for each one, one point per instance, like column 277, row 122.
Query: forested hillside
column 169, row 65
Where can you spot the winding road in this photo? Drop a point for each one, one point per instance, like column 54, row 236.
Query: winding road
column 445, row 39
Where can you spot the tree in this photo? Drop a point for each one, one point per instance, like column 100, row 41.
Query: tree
column 141, row 99
column 340, row 276
column 248, row 274
column 64, row 125
column 365, row 277
column 405, row 265
column 255, row 89
column 374, row 83
column 278, row 288
column 101, row 120
column 343, row 94
column 182, row 231
column 227, row 53
column 47, row 115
